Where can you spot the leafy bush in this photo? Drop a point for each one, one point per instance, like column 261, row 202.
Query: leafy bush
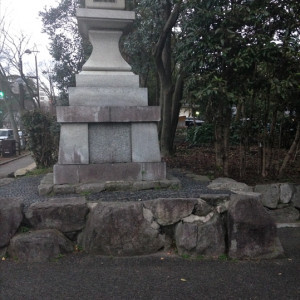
column 199, row 135
column 43, row 137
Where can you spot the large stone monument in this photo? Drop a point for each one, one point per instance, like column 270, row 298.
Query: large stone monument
column 108, row 131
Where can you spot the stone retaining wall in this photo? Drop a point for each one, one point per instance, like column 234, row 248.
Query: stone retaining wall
column 281, row 200
column 210, row 226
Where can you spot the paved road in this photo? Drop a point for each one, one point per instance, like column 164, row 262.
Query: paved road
column 11, row 167
column 81, row 276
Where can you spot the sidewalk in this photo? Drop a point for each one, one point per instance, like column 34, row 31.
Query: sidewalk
column 5, row 160
column 20, row 164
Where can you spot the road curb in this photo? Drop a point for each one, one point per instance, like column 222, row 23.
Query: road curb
column 13, row 159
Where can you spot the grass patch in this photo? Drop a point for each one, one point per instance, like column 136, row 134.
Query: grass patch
column 41, row 171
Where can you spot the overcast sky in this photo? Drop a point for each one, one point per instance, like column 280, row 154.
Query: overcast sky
column 23, row 16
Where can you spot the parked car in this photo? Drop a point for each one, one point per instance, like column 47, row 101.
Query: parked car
column 191, row 121
column 6, row 134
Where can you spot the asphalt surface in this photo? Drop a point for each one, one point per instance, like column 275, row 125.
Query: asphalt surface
column 162, row 276
column 10, row 167
column 159, row 276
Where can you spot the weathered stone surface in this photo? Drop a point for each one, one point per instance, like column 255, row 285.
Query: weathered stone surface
column 270, row 194
column 284, row 215
column 286, row 192
column 39, row 246
column 215, row 199
column 100, row 114
column 154, row 171
column 296, row 197
column 90, row 188
column 251, row 231
column 64, row 189
column 3, row 252
column 47, row 179
column 11, row 217
column 63, row 214
column 198, row 238
column 170, row 211
column 106, row 55
column 109, row 143
column 120, row 229
column 102, row 96
column 107, row 79
column 104, row 4
column 65, row 174
column 229, row 184
column 45, row 189
column 103, row 19
column 202, row 208
column 73, row 144
column 246, row 195
column 145, row 146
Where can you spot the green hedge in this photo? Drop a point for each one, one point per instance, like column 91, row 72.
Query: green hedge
column 43, row 137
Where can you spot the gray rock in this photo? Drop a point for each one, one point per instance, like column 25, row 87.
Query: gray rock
column 284, row 215
column 63, row 214
column 200, row 238
column 296, row 197
column 39, row 246
column 120, row 229
column 3, row 252
column 251, row 231
column 270, row 194
column 170, row 211
column 60, row 189
column 202, row 208
column 90, row 188
column 286, row 192
column 11, row 216
column 215, row 199
column 229, row 184
column 45, row 189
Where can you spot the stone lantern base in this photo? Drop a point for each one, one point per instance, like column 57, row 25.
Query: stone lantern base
column 108, row 132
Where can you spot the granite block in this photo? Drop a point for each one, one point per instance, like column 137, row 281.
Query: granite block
column 107, row 79
column 110, row 172
column 94, row 96
column 104, row 114
column 135, row 114
column 82, row 114
column 154, row 171
column 89, row 18
column 145, row 146
column 109, row 143
column 73, row 145
column 104, row 4
column 65, row 174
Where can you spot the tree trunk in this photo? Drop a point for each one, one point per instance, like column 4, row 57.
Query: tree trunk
column 291, row 150
column 222, row 132
column 162, row 54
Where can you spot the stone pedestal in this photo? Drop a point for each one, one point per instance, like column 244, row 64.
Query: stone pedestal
column 108, row 132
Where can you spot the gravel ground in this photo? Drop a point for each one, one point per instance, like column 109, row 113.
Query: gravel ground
column 27, row 189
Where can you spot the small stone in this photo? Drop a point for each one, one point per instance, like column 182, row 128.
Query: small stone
column 270, row 194
column 229, row 184
column 45, row 189
column 286, row 192
column 296, row 197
